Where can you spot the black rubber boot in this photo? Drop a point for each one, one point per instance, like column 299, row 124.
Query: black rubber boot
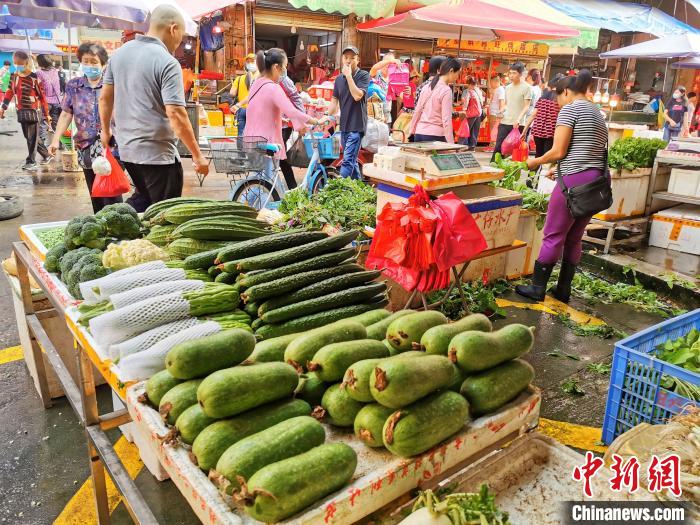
column 566, row 274
column 537, row 289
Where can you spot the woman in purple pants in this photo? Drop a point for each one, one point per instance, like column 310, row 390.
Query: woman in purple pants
column 580, row 143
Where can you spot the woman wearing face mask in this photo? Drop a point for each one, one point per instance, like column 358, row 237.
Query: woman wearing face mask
column 28, row 92
column 48, row 75
column 267, row 102
column 676, row 115
column 80, row 103
column 580, row 147
column 432, row 119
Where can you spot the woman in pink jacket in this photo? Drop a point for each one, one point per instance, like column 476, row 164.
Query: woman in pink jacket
column 432, row 119
column 267, row 102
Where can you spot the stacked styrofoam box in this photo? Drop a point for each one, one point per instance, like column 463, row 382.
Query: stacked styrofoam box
column 677, row 229
column 684, row 182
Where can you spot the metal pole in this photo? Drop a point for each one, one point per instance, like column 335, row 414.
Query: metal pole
column 29, row 45
column 459, row 44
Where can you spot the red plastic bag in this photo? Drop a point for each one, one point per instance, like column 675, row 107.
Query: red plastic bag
column 521, row 153
column 511, row 142
column 114, row 184
column 463, row 131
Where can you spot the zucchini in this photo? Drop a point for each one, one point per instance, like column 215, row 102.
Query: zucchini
column 217, row 437
column 328, row 260
column 369, row 424
column 158, row 384
column 191, row 422
column 436, row 340
column 320, row 319
column 200, row 357
column 197, row 210
column 396, row 382
column 282, row 489
column 331, row 361
column 298, row 253
column 356, row 380
column 467, row 348
column 159, row 207
column 269, row 243
column 225, row 277
column 271, row 349
column 178, row 399
column 302, row 349
column 160, row 235
column 203, row 259
column 334, row 284
column 183, row 248
column 409, row 329
column 378, row 330
column 319, row 304
column 310, row 389
column 490, row 390
column 260, row 292
column 419, row 427
column 284, row 440
column 234, row 390
column 371, row 317
column 340, row 408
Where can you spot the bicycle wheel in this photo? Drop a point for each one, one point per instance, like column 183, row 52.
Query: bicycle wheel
column 255, row 193
column 320, row 181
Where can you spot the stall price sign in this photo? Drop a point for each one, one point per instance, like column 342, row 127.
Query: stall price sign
column 497, row 47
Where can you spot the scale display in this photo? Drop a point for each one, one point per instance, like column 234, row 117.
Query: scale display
column 454, row 161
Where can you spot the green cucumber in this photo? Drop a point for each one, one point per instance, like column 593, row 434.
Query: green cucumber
column 200, row 357
column 231, row 391
column 282, row 489
column 371, row 317
column 378, row 330
column 202, row 260
column 225, row 277
column 490, row 390
column 284, row 440
column 258, row 323
column 422, row 425
column 310, row 389
column 328, row 286
column 399, row 382
column 369, row 424
column 267, row 244
column 191, row 422
column 251, row 309
column 468, row 348
column 214, row 271
column 217, row 437
column 271, row 349
column 340, row 408
column 158, row 384
column 332, row 360
column 409, row 329
column 436, row 340
column 302, row 349
column 298, row 253
column 356, row 380
column 178, row 399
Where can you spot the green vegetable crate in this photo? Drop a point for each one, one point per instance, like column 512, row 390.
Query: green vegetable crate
column 640, row 382
column 380, row 477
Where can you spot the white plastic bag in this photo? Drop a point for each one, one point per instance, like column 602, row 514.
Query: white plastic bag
column 376, row 135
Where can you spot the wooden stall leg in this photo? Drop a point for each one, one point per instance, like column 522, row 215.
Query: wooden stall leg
column 38, row 358
column 99, row 485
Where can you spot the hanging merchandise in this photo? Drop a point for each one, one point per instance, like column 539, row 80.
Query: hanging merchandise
column 417, row 243
column 398, row 80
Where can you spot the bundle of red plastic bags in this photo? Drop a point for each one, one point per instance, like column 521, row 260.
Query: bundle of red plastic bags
column 416, row 243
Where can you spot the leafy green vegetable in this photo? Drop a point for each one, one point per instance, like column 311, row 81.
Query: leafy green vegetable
column 464, row 508
column 683, row 351
column 633, row 152
column 532, row 200
column 480, row 298
column 571, row 386
column 599, row 368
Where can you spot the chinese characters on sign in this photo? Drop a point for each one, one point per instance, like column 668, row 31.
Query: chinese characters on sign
column 531, row 49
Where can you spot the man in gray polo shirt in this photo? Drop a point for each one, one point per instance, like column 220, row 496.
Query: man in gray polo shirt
column 143, row 90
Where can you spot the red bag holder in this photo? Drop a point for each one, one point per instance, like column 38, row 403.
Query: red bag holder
column 114, row 184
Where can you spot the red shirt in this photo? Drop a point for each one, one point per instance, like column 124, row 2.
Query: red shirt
column 546, row 119
column 29, row 92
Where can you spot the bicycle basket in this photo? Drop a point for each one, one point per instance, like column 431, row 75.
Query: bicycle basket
column 328, row 147
column 238, row 154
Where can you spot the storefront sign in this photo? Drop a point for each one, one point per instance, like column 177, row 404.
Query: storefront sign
column 497, row 47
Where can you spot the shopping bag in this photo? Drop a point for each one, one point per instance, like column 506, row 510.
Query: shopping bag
column 463, row 131
column 114, row 184
column 521, row 152
column 376, row 135
column 511, row 142
column 398, row 80
column 457, row 235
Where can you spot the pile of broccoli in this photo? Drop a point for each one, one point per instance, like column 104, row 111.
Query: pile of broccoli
column 80, row 265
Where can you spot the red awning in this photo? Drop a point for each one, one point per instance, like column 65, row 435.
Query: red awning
column 478, row 20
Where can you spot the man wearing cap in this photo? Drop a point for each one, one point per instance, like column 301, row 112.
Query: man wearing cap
column 239, row 91
column 349, row 93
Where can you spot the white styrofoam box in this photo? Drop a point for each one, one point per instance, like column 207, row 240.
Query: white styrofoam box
column 522, row 262
column 684, row 182
column 390, row 163
column 629, row 198
column 648, row 134
column 677, row 229
column 390, row 151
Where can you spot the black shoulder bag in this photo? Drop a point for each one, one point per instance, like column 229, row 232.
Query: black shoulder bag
column 588, row 199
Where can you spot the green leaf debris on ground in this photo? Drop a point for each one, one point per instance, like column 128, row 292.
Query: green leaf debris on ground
column 599, row 368
column 557, row 353
column 481, row 298
column 604, row 331
column 571, row 386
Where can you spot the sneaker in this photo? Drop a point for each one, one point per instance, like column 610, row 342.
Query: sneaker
column 30, row 167
column 46, row 160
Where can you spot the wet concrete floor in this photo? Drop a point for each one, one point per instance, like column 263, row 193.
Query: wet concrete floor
column 43, row 463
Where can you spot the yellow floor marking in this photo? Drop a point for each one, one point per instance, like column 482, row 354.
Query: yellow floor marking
column 80, row 510
column 14, row 353
column 572, row 435
column 554, row 307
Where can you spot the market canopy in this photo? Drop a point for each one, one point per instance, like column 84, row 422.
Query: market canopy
column 196, row 9
column 622, row 17
column 687, row 63
column 373, row 8
column 37, row 46
column 478, row 20
column 677, row 46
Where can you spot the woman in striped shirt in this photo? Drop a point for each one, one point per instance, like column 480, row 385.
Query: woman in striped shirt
column 26, row 87
column 580, row 147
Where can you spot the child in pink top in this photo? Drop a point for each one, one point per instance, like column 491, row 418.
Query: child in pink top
column 432, row 119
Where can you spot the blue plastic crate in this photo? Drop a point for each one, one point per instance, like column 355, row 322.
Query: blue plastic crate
column 636, row 395
column 328, row 147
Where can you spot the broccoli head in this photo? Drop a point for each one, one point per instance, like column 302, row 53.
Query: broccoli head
column 121, row 225
column 121, row 208
column 84, row 268
column 85, row 230
column 52, row 263
column 91, row 271
column 72, row 257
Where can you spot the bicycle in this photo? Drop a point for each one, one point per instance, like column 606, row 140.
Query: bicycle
column 320, row 148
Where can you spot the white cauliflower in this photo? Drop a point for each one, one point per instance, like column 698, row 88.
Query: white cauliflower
column 131, row 253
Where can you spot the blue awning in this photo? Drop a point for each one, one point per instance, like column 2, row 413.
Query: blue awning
column 622, row 17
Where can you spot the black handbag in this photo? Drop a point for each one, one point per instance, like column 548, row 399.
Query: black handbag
column 28, row 116
column 588, row 199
